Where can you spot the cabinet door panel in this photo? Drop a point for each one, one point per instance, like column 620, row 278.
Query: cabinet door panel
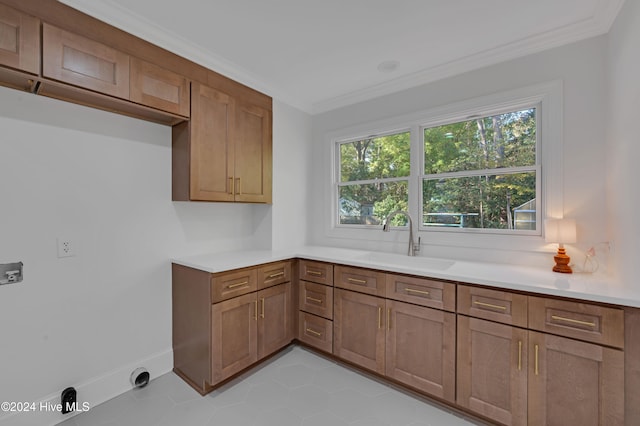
column 359, row 329
column 19, row 40
column 159, row 88
column 492, row 373
column 273, row 274
column 212, row 135
column 317, row 272
column 82, row 62
column 253, row 155
column 316, row 299
column 274, row 322
column 360, row 280
column 420, row 348
column 574, row 383
column 234, row 329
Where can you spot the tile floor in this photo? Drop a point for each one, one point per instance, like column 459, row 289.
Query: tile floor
column 296, row 388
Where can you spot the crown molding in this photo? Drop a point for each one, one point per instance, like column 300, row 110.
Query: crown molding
column 598, row 23
column 114, row 14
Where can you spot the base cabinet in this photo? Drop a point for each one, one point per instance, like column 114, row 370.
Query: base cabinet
column 492, row 373
column 518, row 377
column 412, row 344
column 222, row 324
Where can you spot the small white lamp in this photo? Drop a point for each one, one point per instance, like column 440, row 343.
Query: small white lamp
column 561, row 231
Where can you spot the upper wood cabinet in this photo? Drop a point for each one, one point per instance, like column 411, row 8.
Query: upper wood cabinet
column 76, row 60
column 19, row 48
column 224, row 152
column 159, row 88
column 19, row 40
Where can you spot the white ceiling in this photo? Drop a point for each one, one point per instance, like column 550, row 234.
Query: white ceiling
column 319, row 55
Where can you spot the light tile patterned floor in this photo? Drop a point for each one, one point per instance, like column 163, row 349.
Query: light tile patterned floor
column 296, row 388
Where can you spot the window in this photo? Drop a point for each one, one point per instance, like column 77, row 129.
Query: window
column 373, row 178
column 489, row 165
column 482, row 173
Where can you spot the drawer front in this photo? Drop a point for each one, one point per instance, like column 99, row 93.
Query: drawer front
column 316, row 331
column 274, row 274
column 421, row 291
column 584, row 321
column 493, row 305
column 360, row 280
column 317, row 272
column 228, row 285
column 316, row 299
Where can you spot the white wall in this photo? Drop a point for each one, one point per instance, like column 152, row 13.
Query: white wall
column 104, row 181
column 581, row 68
column 291, row 164
column 623, row 141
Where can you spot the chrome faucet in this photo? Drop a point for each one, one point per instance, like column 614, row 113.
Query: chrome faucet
column 386, row 227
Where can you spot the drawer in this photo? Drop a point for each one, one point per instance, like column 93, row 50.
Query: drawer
column 583, row 321
column 317, row 272
column 360, row 280
column 231, row 284
column 316, row 331
column 493, row 305
column 316, row 299
column 421, row 291
column 274, row 274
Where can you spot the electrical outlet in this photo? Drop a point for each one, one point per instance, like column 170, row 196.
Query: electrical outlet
column 66, row 247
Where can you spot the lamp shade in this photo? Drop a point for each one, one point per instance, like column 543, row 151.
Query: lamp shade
column 560, row 231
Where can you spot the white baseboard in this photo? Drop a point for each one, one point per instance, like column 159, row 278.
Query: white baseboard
column 91, row 393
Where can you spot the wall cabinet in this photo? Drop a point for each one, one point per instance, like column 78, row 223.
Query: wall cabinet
column 159, row 88
column 222, row 324
column 19, row 48
column 224, row 152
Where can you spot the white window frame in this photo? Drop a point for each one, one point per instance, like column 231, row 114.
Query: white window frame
column 489, row 111
column 548, row 100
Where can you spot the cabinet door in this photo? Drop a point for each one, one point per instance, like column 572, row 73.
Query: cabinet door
column 574, row 383
column 316, row 299
column 274, row 322
column 234, row 329
column 315, row 331
column 253, row 154
column 211, row 152
column 492, row 372
column 359, row 332
column 19, row 40
column 76, row 60
column 159, row 88
column 420, row 348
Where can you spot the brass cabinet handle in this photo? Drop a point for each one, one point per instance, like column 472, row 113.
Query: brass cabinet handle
column 411, row 290
column 255, row 312
column 315, row 273
column 389, row 319
column 238, row 284
column 573, row 321
column 519, row 355
column 536, row 361
column 379, row 317
column 231, row 185
column 313, row 332
column 279, row 274
column 262, row 308
column 489, row 305
column 357, row 281
column 238, row 187
column 313, row 299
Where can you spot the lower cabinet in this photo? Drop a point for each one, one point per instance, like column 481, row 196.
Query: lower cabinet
column 518, row 377
column 411, row 344
column 248, row 328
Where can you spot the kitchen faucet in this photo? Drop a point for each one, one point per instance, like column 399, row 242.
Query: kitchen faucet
column 386, row 227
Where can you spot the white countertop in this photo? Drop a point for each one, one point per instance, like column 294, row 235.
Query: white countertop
column 535, row 280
